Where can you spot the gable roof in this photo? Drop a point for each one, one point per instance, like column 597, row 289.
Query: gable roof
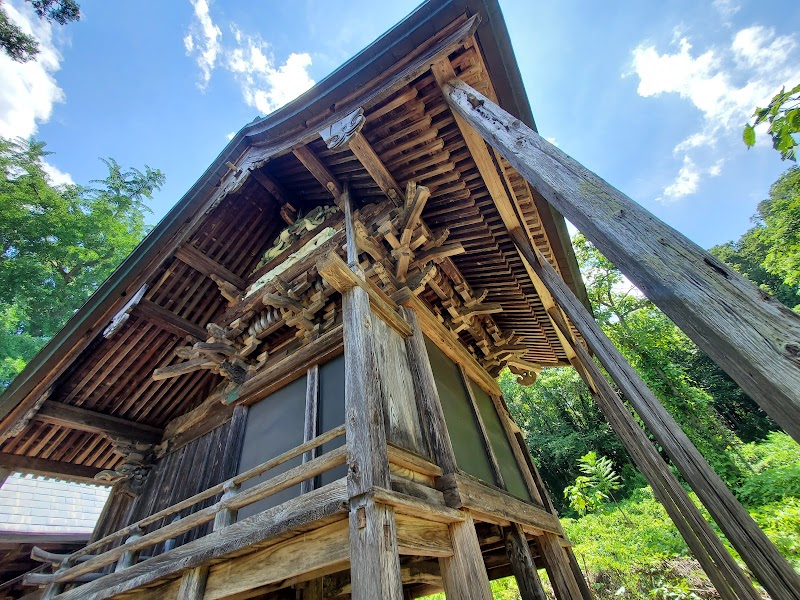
column 394, row 60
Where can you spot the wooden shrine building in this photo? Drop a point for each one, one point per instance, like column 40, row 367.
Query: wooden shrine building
column 290, row 384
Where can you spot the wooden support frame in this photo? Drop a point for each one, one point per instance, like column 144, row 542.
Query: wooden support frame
column 81, row 419
column 206, row 265
column 464, row 574
column 50, row 468
column 764, row 558
column 169, row 321
column 728, row 317
column 522, row 565
column 311, row 421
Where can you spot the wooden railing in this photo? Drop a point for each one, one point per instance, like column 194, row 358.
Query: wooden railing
column 85, row 564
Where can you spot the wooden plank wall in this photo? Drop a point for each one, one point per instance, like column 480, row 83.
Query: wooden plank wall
column 196, row 466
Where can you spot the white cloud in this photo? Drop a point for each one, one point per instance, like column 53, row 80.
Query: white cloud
column 29, row 89
column 230, row 135
column 685, row 183
column 726, row 8
column 55, row 175
column 265, row 84
column 724, row 83
column 552, row 140
column 203, row 41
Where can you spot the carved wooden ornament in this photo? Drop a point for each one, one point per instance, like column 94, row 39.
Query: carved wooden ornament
column 340, row 133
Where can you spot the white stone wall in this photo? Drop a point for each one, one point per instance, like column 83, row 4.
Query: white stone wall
column 34, row 504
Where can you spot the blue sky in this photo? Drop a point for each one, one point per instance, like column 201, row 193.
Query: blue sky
column 650, row 95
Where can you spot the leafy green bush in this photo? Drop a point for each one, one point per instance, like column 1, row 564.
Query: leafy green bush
column 775, row 465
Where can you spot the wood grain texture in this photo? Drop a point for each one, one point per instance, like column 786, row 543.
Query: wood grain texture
column 463, row 491
column 311, row 420
column 525, row 572
column 368, row 459
column 374, row 559
column 427, row 396
column 464, row 574
column 558, row 568
column 754, row 338
column 327, row 501
column 82, row 419
column 403, row 427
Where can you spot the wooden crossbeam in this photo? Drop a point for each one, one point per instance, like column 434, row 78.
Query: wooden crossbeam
column 272, row 186
column 320, row 172
column 81, row 419
column 49, row 468
column 207, row 265
column 363, row 151
column 168, row 320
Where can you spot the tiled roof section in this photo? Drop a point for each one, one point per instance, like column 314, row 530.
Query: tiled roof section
column 32, row 504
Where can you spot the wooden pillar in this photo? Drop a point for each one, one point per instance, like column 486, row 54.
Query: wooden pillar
column 4, row 474
column 568, row 185
column 374, row 560
column 522, row 565
column 558, row 567
column 464, row 574
column 752, row 336
column 311, row 420
column 427, row 395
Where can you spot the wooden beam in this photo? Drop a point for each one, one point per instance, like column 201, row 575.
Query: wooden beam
column 464, row 574
column 169, row 321
column 427, row 395
column 374, row 552
column 359, row 146
column 320, row 172
column 207, row 265
column 271, row 186
column 49, row 468
column 311, row 420
column 558, row 568
column 729, row 514
column 82, row 419
column 752, row 336
column 336, row 272
column 522, row 565
column 326, row 503
column 463, row 491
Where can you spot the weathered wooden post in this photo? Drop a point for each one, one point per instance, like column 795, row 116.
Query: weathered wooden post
column 129, row 557
column 752, row 336
column 193, row 582
column 587, row 200
column 522, row 565
column 374, row 561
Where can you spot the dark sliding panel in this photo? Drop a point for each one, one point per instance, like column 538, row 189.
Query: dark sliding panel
column 274, row 426
column 331, row 411
column 459, row 417
column 509, row 468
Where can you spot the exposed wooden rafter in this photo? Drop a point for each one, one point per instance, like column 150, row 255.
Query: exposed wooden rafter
column 320, row 172
column 81, row 419
column 50, row 468
column 168, row 320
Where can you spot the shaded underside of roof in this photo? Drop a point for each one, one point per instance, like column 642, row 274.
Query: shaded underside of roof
column 413, row 132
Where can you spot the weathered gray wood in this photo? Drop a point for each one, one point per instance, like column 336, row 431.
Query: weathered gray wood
column 754, row 338
column 427, row 395
column 374, row 559
column 4, row 474
column 169, row 321
column 321, row 503
column 207, row 266
column 464, row 491
column 525, row 572
column 82, row 419
column 45, row 466
column 311, row 419
column 464, row 574
column 350, row 233
column 193, row 584
column 766, row 562
column 558, row 568
column 368, row 460
column 403, row 427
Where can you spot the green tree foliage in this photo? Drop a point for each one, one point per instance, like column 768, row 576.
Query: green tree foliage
column 23, row 47
column 59, row 243
column 660, row 352
column 769, row 253
column 562, row 423
column 783, row 116
column 595, row 486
